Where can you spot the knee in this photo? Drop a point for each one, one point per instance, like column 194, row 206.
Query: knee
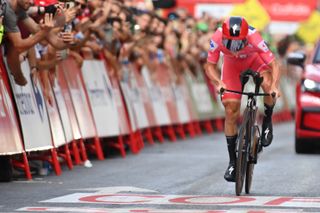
column 232, row 112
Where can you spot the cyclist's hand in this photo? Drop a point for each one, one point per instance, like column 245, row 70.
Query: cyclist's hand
column 220, row 86
column 275, row 90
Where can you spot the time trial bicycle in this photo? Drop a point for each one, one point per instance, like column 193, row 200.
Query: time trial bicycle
column 248, row 141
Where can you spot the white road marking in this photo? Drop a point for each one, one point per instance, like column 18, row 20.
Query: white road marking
column 156, row 199
column 116, row 189
column 150, row 210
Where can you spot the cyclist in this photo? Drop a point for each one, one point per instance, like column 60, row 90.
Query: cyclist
column 243, row 48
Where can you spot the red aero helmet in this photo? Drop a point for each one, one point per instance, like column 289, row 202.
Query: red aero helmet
column 235, row 28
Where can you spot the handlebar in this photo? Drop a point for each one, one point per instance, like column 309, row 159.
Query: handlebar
column 222, row 90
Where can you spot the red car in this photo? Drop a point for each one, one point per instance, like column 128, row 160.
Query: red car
column 307, row 116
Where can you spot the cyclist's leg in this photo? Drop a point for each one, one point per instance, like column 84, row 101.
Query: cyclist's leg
column 269, row 102
column 232, row 111
column 231, row 103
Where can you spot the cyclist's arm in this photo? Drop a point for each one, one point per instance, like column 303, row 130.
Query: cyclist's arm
column 275, row 73
column 213, row 73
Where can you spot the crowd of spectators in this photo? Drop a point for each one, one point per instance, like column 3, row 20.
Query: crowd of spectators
column 48, row 31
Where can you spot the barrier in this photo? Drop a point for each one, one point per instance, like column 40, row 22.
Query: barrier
column 32, row 110
column 102, row 101
column 55, row 122
column 146, row 101
column 125, row 128
column 81, row 106
column 12, row 143
column 68, row 114
column 101, row 98
column 157, row 102
column 201, row 100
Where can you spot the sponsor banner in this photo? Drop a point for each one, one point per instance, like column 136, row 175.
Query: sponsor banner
column 182, row 108
column 165, row 78
column 283, row 27
column 123, row 120
column 157, row 100
column 146, row 99
column 167, row 93
column 217, row 11
column 11, row 141
column 134, row 99
column 202, row 100
column 126, row 93
column 56, row 127
column 66, row 109
column 79, row 98
column 32, row 110
column 254, row 13
column 138, row 107
column 285, row 10
column 188, row 99
column 102, row 101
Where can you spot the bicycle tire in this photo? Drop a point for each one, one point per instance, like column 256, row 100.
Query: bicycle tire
column 253, row 155
column 241, row 165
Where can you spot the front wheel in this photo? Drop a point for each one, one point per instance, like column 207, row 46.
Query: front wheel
column 241, row 165
column 253, row 158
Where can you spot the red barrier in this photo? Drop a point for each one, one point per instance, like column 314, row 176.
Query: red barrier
column 9, row 127
column 147, row 105
column 81, row 105
column 163, row 74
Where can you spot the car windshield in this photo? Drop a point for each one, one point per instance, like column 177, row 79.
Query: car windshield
column 316, row 59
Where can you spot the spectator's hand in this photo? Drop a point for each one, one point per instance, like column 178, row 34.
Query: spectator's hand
column 47, row 23
column 67, row 37
column 94, row 26
column 107, row 7
column 70, row 14
column 35, row 75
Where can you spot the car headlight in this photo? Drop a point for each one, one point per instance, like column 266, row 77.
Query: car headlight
column 310, row 85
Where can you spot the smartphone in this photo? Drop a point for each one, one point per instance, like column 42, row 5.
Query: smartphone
column 69, row 4
column 67, row 28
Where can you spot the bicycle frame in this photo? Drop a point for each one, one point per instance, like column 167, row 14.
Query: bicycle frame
column 245, row 156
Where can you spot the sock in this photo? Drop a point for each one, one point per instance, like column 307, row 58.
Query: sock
column 268, row 110
column 231, row 142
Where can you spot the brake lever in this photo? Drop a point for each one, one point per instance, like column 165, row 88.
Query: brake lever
column 222, row 90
